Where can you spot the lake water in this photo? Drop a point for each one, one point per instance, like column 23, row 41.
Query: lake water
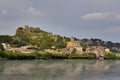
column 60, row 70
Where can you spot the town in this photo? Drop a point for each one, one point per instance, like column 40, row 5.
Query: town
column 29, row 40
column 71, row 47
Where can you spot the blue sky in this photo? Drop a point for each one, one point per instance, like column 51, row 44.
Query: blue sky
column 78, row 18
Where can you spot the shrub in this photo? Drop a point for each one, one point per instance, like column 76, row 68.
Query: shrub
column 83, row 56
column 43, row 56
column 59, row 56
column 19, row 56
column 110, row 56
column 118, row 57
column 2, row 54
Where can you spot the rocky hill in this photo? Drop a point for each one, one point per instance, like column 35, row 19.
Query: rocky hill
column 35, row 36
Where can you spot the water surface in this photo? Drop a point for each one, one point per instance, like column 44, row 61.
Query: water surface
column 60, row 70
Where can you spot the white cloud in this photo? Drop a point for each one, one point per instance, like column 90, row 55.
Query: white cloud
column 3, row 12
column 101, row 16
column 95, row 16
column 32, row 11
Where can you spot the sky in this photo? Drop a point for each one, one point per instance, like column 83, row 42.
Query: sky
column 78, row 18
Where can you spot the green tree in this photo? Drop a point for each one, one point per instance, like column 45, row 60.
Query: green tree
column 84, row 46
column 60, row 44
column 110, row 56
column 6, row 39
column 18, row 43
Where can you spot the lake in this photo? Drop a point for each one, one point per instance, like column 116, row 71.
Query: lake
column 60, row 70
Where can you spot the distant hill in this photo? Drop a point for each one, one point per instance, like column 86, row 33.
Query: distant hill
column 35, row 36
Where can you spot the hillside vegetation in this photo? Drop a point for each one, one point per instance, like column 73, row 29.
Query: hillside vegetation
column 37, row 37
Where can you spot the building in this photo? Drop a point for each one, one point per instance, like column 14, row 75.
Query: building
column 6, row 46
column 22, row 49
column 74, row 46
column 98, row 50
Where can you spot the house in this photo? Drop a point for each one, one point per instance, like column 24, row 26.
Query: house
column 74, row 45
column 22, row 49
column 98, row 50
column 6, row 46
column 107, row 50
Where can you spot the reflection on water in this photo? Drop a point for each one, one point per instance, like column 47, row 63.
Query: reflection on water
column 60, row 70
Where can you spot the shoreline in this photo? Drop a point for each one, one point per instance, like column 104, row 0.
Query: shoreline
column 47, row 56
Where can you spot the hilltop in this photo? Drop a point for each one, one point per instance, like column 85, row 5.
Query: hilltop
column 35, row 36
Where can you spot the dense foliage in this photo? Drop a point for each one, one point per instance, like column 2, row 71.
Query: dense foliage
column 110, row 56
column 19, row 56
column 83, row 56
column 41, row 55
column 6, row 39
column 23, row 56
